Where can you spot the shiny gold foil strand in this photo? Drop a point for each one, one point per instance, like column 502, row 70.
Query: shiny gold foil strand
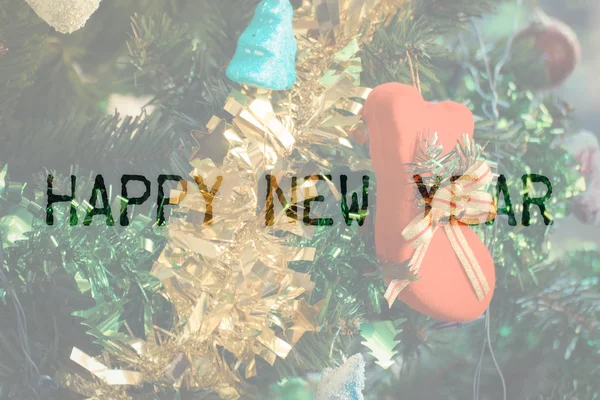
column 101, row 371
column 315, row 59
column 268, row 344
column 315, row 99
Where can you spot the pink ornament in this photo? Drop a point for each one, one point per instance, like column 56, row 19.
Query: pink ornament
column 585, row 148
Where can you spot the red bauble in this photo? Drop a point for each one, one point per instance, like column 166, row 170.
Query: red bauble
column 557, row 45
column 395, row 115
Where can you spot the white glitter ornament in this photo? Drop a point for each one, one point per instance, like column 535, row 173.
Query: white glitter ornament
column 344, row 383
column 66, row 16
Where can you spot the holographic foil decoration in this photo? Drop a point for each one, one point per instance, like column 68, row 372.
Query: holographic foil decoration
column 266, row 52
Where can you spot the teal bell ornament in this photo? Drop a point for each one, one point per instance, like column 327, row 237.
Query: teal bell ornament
column 266, row 53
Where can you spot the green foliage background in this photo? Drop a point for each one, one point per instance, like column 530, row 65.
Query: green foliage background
column 76, row 285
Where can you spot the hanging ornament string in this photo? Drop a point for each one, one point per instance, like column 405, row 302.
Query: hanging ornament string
column 487, row 342
column 417, row 72
column 414, row 70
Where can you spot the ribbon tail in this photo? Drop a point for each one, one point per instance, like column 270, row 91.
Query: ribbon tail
column 476, row 267
column 467, row 259
column 398, row 285
column 394, row 289
column 418, row 256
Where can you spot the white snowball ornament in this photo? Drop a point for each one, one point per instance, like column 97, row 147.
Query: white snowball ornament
column 66, row 16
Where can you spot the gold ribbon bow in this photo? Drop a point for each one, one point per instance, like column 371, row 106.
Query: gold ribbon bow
column 461, row 202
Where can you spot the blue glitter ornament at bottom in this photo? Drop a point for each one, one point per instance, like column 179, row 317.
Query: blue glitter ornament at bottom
column 266, row 52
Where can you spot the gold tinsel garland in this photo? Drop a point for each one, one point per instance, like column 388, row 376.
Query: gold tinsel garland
column 229, row 281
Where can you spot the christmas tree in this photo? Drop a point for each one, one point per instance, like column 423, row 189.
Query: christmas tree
column 238, row 297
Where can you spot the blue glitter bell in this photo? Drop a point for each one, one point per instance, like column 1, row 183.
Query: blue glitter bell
column 266, row 53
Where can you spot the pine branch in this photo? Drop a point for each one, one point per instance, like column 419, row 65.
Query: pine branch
column 162, row 53
column 22, row 34
column 453, row 14
column 217, row 25
column 568, row 306
column 103, row 144
column 78, row 69
column 399, row 43
column 183, row 75
column 168, row 57
column 99, row 274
